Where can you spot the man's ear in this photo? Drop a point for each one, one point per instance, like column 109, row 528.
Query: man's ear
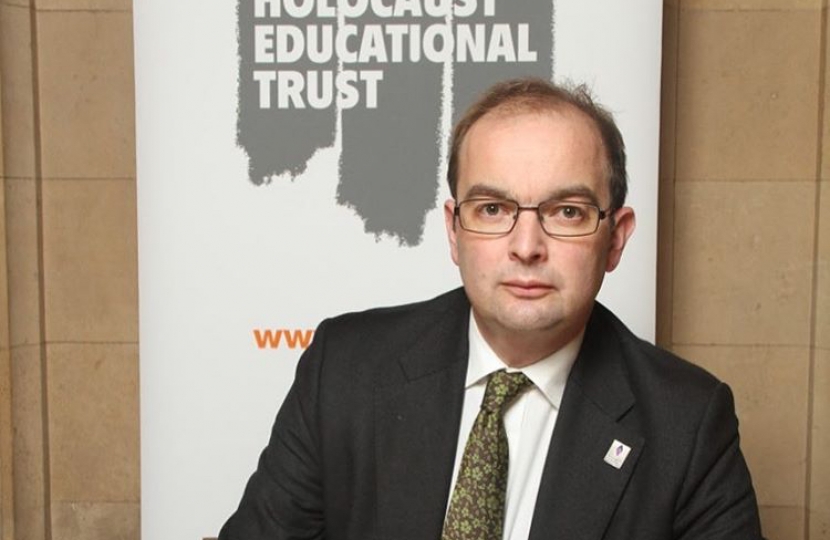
column 449, row 221
column 624, row 224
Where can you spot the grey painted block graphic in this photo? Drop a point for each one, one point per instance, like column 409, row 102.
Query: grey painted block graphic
column 380, row 66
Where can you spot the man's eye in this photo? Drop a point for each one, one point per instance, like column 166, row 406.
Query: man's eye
column 493, row 209
column 571, row 212
column 565, row 212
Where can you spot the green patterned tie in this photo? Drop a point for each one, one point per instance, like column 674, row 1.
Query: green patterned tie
column 477, row 504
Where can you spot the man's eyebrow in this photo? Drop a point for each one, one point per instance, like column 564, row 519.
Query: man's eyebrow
column 484, row 190
column 580, row 191
column 575, row 191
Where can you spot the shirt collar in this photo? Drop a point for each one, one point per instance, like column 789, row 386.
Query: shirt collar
column 548, row 374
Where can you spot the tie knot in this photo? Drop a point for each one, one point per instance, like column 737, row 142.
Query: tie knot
column 502, row 388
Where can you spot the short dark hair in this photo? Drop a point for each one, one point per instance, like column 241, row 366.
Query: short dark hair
column 532, row 94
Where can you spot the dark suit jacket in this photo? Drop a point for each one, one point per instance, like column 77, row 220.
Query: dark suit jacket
column 363, row 447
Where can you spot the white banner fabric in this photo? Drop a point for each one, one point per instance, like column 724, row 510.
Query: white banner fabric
column 291, row 158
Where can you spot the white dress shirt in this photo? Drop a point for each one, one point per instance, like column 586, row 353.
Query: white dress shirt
column 528, row 421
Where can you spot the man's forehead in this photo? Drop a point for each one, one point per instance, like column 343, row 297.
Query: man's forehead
column 560, row 111
column 508, row 113
column 577, row 124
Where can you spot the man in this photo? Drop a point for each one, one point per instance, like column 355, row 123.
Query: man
column 601, row 436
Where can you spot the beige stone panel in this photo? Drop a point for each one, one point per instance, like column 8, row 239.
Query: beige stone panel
column 820, row 457
column 752, row 5
column 2, row 168
column 93, row 422
column 747, row 87
column 19, row 3
column 6, row 495
column 28, row 443
column 665, row 258
column 665, row 229
column 90, row 260
column 782, row 523
column 668, row 92
column 96, row 521
column 6, row 452
column 22, row 265
column 771, row 387
column 825, row 161
column 87, row 94
column 17, row 96
column 84, row 5
column 743, row 262
column 822, row 325
column 4, row 278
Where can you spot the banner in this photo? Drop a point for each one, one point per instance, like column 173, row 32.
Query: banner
column 291, row 162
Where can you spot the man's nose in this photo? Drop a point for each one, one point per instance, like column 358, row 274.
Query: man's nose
column 528, row 242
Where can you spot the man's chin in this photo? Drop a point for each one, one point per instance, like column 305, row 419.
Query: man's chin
column 532, row 321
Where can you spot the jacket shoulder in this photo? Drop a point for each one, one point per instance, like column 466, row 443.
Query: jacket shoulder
column 650, row 363
column 367, row 340
column 406, row 315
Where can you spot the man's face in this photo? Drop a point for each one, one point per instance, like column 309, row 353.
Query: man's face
column 525, row 284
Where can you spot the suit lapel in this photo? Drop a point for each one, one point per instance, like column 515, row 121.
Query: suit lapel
column 579, row 489
column 417, row 423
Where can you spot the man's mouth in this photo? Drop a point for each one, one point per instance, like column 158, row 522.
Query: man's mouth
column 527, row 288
